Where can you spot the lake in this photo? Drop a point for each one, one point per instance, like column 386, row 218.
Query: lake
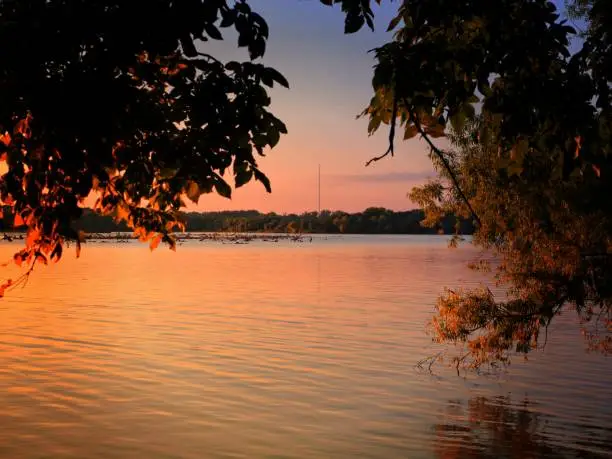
column 275, row 350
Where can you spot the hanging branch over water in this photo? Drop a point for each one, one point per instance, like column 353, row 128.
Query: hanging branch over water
column 390, row 150
column 440, row 154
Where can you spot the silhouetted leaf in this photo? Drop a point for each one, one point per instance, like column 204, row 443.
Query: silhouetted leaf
column 394, row 22
column 259, row 176
column 353, row 23
column 212, row 31
column 276, row 76
column 243, row 177
column 223, row 188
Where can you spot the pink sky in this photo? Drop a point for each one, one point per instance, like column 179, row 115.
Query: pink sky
column 330, row 76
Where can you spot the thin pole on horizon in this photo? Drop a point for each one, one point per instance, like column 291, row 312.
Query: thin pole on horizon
column 319, row 189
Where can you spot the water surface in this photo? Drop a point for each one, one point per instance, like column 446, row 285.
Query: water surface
column 274, row 350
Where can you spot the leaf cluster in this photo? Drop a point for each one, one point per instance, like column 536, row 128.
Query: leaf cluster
column 117, row 99
column 529, row 120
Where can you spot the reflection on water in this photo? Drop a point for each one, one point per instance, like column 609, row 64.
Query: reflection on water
column 495, row 428
column 272, row 350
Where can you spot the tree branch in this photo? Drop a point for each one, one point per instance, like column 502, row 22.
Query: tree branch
column 391, row 135
column 209, row 57
column 431, row 360
column 440, row 154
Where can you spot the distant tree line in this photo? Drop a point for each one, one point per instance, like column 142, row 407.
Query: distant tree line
column 374, row 220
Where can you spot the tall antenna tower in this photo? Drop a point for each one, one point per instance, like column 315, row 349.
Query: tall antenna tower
column 319, row 189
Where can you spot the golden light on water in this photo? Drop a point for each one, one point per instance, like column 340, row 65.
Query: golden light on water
column 254, row 349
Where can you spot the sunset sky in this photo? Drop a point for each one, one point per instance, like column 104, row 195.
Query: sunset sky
column 330, row 76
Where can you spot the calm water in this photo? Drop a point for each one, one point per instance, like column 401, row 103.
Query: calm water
column 274, row 350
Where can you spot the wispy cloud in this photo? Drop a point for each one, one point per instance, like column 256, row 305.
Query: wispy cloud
column 389, row 177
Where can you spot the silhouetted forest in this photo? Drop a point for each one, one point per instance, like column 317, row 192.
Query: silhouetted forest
column 374, row 220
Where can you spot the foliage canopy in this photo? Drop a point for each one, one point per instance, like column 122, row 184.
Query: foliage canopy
column 114, row 97
column 527, row 110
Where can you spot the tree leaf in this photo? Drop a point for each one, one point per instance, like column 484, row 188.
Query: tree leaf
column 234, row 66
column 243, row 177
column 261, row 177
column 275, row 75
column 353, row 23
column 56, row 254
column 394, row 22
column 273, row 136
column 212, row 31
column 374, row 124
column 228, row 18
column 410, row 131
column 193, row 191
column 223, row 188
column 155, row 242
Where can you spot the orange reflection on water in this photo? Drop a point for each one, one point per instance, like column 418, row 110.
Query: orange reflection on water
column 306, row 350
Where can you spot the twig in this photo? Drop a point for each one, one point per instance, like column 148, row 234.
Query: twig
column 431, row 359
column 21, row 280
column 440, row 154
column 209, row 57
column 391, row 135
column 459, row 360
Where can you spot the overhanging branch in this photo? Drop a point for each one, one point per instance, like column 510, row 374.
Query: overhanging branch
column 391, row 135
column 440, row 154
